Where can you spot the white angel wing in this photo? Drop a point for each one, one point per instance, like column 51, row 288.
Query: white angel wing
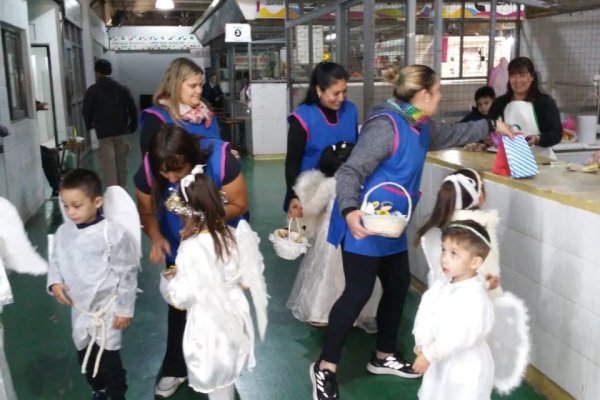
column 431, row 243
column 252, row 268
column 120, row 208
column 15, row 248
column 509, row 342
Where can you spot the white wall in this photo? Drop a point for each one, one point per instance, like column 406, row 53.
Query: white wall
column 142, row 71
column 21, row 162
column 565, row 51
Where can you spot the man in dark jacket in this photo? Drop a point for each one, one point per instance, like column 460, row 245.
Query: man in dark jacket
column 108, row 107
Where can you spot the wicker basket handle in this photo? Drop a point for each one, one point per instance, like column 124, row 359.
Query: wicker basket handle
column 290, row 228
column 366, row 198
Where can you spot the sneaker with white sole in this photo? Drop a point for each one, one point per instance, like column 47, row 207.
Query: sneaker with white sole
column 324, row 384
column 168, row 385
column 392, row 365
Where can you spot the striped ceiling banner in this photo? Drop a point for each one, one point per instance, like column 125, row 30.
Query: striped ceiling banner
column 520, row 158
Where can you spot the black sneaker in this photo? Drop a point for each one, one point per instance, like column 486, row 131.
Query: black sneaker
column 324, row 385
column 392, row 365
column 99, row 395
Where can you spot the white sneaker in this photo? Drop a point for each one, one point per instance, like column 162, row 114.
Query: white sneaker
column 168, row 385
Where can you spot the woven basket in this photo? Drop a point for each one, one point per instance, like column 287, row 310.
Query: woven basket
column 390, row 226
column 288, row 244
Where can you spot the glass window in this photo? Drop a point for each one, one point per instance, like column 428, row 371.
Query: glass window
column 15, row 73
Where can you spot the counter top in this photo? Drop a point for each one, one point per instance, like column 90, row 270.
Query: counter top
column 554, row 182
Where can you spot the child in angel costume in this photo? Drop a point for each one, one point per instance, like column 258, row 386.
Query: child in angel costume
column 320, row 278
column 94, row 262
column 18, row 255
column 454, row 319
column 460, row 198
column 214, row 264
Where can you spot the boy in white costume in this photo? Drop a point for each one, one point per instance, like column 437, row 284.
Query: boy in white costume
column 93, row 268
column 454, row 320
column 16, row 254
column 214, row 265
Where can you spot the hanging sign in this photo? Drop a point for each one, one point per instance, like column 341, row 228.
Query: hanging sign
column 237, row 33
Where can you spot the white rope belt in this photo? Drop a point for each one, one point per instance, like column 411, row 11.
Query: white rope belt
column 97, row 323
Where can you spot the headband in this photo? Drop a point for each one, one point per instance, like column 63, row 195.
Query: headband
column 472, row 230
column 460, row 182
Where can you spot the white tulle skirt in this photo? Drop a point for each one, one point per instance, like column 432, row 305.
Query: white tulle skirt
column 320, row 282
column 7, row 392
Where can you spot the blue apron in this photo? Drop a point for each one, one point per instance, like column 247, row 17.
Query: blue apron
column 404, row 167
column 170, row 223
column 321, row 133
column 212, row 132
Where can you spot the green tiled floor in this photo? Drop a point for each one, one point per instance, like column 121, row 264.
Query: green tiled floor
column 43, row 360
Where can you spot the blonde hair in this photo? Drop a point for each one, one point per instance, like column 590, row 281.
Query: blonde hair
column 410, row 80
column 169, row 88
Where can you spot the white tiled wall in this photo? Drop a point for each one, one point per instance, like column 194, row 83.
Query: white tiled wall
column 22, row 175
column 550, row 257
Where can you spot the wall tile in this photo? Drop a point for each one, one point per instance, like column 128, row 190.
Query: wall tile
column 549, row 311
column 544, row 352
column 527, row 252
column 576, row 327
column 592, row 383
column 525, row 213
column 575, row 283
column 572, row 371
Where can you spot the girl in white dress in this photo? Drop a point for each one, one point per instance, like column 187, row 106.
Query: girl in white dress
column 320, row 278
column 454, row 320
column 214, row 264
column 460, row 197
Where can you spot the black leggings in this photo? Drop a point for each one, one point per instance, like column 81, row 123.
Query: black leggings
column 360, row 272
column 174, row 364
column 111, row 374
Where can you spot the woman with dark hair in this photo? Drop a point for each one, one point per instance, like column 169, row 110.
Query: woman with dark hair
column 324, row 118
column 391, row 148
column 172, row 155
column 527, row 108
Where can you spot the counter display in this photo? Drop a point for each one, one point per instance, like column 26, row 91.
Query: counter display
column 549, row 236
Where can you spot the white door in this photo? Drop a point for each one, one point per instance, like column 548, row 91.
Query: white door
column 42, row 82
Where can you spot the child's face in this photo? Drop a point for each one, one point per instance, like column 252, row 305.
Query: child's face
column 483, row 104
column 458, row 263
column 79, row 207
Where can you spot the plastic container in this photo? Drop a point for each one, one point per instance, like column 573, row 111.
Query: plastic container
column 586, row 129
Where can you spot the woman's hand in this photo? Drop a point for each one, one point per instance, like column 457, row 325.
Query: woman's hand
column 504, row 129
column 533, row 140
column 354, row 221
column 421, row 364
column 159, row 249
column 58, row 290
column 295, row 209
column 121, row 322
column 476, row 147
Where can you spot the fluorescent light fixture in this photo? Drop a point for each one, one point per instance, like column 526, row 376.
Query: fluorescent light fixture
column 165, row 4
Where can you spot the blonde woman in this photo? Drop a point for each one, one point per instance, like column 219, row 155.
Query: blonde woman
column 392, row 146
column 178, row 100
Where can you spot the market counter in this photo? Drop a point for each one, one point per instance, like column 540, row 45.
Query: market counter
column 549, row 237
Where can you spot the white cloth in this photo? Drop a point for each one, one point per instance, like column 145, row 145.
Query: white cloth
column 320, row 278
column 451, row 326
column 522, row 113
column 95, row 263
column 218, row 341
column 431, row 243
column 17, row 254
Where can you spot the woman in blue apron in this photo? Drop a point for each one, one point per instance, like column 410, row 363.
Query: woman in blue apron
column 324, row 118
column 527, row 109
column 391, row 148
column 178, row 100
column 172, row 155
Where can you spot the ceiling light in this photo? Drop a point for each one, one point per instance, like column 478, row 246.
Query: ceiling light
column 165, row 4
